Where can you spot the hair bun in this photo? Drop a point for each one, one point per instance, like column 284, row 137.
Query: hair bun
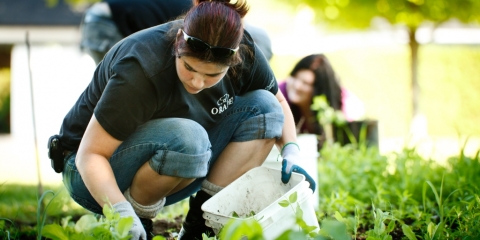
column 240, row 6
column 196, row 2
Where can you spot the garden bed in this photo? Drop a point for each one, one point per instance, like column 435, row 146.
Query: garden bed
column 363, row 195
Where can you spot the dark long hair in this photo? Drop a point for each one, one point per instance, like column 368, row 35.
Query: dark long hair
column 326, row 82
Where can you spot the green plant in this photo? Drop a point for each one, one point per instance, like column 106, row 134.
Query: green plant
column 42, row 216
column 250, row 214
column 242, row 229
column 251, row 229
column 4, row 100
column 109, row 226
column 363, row 195
column 3, row 230
column 425, row 199
column 311, row 231
column 381, row 229
column 333, row 230
column 327, row 116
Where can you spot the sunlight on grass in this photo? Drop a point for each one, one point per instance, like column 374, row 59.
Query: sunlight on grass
column 19, row 202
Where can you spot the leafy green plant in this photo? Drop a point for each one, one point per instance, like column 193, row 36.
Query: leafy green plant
column 408, row 232
column 3, row 229
column 109, row 226
column 363, row 195
column 333, row 230
column 251, row 229
column 306, row 229
column 381, row 230
column 352, row 223
column 242, row 229
column 327, row 116
column 424, row 199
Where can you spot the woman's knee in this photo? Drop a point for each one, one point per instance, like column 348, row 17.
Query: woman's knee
column 265, row 101
column 267, row 120
column 173, row 134
column 184, row 136
column 185, row 153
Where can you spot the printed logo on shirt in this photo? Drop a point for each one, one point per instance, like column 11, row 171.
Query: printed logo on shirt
column 270, row 85
column 223, row 104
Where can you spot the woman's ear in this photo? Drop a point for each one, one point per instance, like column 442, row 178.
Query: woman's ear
column 176, row 39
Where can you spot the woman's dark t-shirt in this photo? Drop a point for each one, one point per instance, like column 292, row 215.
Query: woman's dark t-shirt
column 137, row 81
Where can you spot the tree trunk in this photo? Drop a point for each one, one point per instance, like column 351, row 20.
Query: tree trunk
column 413, row 67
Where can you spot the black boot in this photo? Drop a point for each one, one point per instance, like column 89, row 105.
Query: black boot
column 194, row 224
column 148, row 226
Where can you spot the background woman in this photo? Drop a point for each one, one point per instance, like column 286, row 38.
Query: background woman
column 313, row 76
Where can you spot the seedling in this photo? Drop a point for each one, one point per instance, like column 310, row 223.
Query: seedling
column 292, row 199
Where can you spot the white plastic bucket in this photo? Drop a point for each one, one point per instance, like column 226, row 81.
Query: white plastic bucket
column 259, row 191
column 308, row 152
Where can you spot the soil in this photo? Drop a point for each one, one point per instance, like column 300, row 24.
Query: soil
column 168, row 229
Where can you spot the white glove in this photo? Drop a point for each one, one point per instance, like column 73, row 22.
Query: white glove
column 125, row 209
column 291, row 157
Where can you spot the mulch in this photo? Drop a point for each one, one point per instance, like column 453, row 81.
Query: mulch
column 168, row 229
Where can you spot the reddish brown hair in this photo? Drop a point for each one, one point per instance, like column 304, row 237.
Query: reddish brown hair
column 218, row 23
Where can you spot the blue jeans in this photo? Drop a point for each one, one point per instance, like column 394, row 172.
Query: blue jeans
column 183, row 148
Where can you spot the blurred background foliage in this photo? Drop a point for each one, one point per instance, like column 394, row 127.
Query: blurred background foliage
column 440, row 80
column 412, row 13
column 448, row 76
column 354, row 14
column 4, row 100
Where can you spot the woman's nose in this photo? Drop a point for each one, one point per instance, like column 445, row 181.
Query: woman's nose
column 197, row 81
column 297, row 84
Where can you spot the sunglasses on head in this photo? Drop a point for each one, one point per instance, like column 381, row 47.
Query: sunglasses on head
column 201, row 46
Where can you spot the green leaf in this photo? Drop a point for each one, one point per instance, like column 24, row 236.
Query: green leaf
column 65, row 221
column 159, row 237
column 82, row 236
column 239, row 229
column 408, row 232
column 391, row 226
column 309, row 229
column 124, row 225
column 85, row 223
column 430, row 229
column 339, row 217
column 54, row 231
column 438, row 230
column 298, row 212
column 102, row 233
column 290, row 234
column 107, row 211
column 387, row 237
column 293, row 197
column 335, row 229
column 284, row 203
